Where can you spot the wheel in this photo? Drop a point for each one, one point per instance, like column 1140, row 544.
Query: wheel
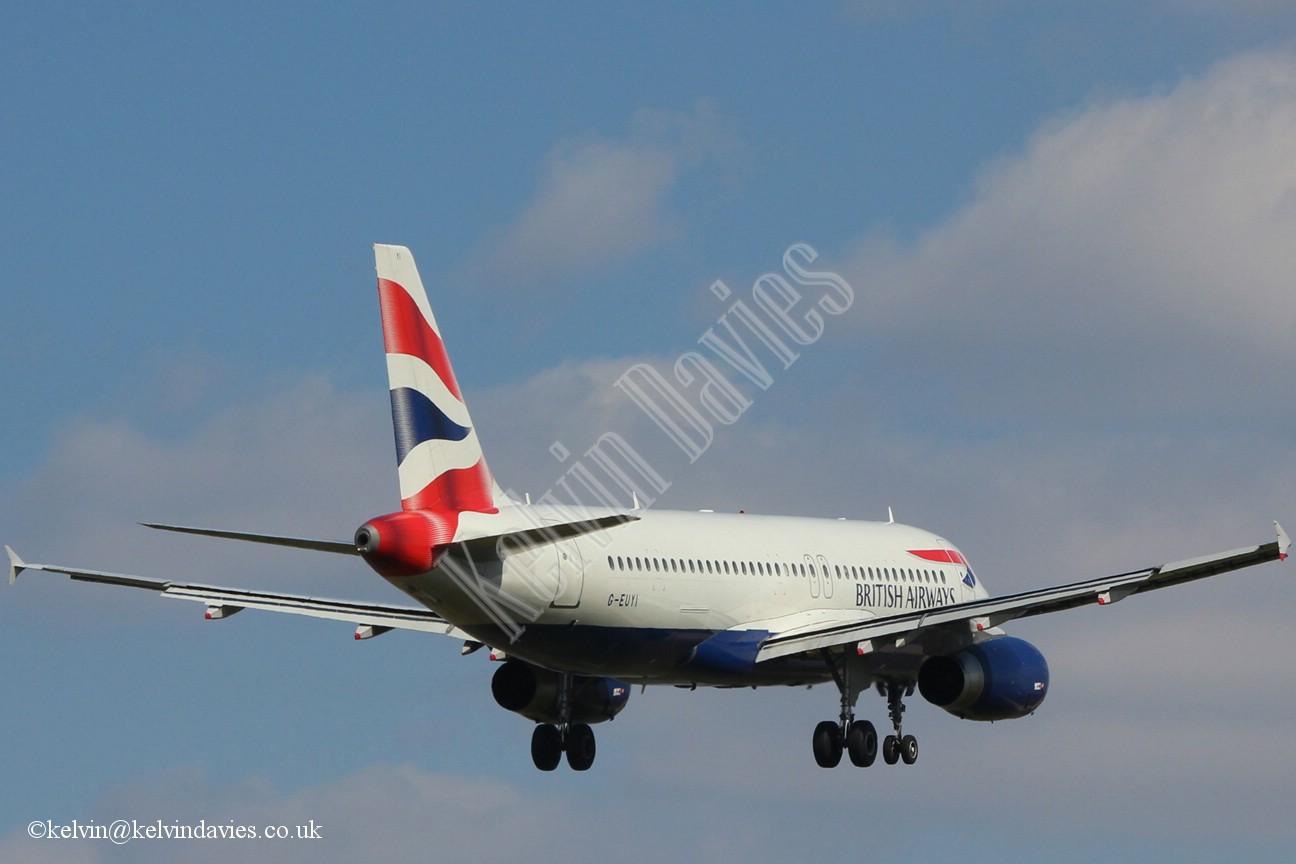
column 909, row 749
column 862, row 743
column 890, row 750
column 580, row 746
column 827, row 744
column 546, row 746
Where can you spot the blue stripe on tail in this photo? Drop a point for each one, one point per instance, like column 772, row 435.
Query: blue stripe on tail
column 417, row 419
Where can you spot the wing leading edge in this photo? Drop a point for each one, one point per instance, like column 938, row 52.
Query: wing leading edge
column 980, row 615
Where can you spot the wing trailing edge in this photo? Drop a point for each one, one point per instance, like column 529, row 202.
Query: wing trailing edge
column 370, row 618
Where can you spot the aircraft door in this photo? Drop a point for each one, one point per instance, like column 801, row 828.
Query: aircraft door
column 825, row 574
column 568, row 569
column 812, row 574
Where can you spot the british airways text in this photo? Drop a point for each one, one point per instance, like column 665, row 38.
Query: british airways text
column 887, row 596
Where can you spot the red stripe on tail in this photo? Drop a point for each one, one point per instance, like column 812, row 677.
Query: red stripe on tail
column 406, row 331
column 456, row 490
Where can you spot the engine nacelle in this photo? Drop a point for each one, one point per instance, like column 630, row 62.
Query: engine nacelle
column 533, row 693
column 998, row 679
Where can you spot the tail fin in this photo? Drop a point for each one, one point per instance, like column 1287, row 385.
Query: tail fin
column 440, row 459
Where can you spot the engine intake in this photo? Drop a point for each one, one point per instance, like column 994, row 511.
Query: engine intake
column 533, row 693
column 999, row 679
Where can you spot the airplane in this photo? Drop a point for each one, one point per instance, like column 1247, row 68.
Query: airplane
column 581, row 603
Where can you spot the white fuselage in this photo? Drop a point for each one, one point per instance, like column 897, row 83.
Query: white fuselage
column 644, row 593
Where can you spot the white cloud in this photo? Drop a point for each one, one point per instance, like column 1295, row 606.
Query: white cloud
column 1135, row 259
column 304, row 459
column 601, row 201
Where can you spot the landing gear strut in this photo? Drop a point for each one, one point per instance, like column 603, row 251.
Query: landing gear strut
column 858, row 737
column 549, row 742
column 898, row 746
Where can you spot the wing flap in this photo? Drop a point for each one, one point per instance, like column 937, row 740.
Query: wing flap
column 229, row 600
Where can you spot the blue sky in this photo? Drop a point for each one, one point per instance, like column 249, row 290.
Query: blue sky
column 1068, row 227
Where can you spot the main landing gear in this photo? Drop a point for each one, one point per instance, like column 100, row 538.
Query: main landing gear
column 858, row 737
column 549, row 742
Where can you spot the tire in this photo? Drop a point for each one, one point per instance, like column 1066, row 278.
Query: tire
column 546, row 746
column 580, row 746
column 827, row 744
column 890, row 750
column 909, row 749
column 862, row 743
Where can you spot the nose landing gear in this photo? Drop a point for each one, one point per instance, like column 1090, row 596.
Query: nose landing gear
column 897, row 747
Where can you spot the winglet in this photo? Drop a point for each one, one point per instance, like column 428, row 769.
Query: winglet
column 1284, row 542
column 16, row 565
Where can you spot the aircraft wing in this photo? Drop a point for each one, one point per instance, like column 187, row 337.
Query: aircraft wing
column 871, row 634
column 371, row 619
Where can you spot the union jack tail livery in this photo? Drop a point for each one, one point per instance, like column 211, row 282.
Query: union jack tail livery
column 440, row 459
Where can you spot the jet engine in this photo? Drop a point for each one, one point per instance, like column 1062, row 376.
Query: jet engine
column 533, row 693
column 999, row 679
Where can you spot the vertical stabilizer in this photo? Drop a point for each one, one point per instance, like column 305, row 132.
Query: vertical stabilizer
column 440, row 459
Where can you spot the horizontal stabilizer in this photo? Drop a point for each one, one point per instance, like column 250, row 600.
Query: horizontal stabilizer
column 555, row 532
column 339, row 547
